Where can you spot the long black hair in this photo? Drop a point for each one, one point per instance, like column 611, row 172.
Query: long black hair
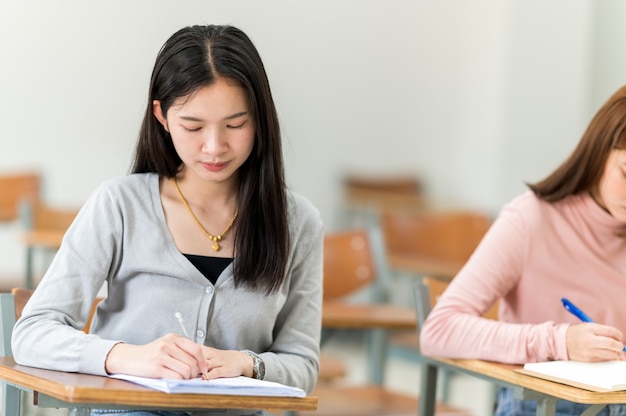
column 193, row 58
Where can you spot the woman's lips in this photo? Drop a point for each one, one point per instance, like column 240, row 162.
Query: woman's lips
column 215, row 167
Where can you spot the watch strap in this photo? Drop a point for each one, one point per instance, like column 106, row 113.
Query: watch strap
column 258, row 368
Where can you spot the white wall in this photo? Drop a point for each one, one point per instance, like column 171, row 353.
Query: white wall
column 608, row 60
column 474, row 97
column 546, row 89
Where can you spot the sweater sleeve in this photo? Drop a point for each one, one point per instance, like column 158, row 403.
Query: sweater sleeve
column 49, row 333
column 456, row 328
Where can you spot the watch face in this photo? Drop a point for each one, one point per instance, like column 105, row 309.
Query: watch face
column 261, row 369
column 258, row 369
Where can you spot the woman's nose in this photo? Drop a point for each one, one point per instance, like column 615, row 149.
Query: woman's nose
column 214, row 142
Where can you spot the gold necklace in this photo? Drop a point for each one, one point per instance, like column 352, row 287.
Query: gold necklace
column 214, row 238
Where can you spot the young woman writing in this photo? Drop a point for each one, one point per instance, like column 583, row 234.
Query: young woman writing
column 564, row 238
column 203, row 233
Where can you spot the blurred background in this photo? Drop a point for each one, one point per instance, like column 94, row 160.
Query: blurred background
column 473, row 98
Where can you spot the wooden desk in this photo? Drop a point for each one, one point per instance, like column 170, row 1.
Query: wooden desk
column 44, row 227
column 47, row 239
column 526, row 387
column 422, row 266
column 340, row 315
column 378, row 319
column 83, row 391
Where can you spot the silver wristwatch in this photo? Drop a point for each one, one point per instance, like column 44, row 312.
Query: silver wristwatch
column 258, row 369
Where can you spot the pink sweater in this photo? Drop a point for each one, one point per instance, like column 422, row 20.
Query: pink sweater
column 534, row 254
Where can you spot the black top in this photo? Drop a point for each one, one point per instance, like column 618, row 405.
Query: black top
column 210, row 267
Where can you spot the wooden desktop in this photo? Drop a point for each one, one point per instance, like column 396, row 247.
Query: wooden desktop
column 84, row 391
column 526, row 387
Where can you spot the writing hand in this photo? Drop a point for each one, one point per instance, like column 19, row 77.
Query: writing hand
column 227, row 363
column 594, row 342
column 171, row 356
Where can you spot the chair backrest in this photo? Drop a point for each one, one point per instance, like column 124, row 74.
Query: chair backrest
column 374, row 194
column 426, row 293
column 11, row 306
column 397, row 184
column 348, row 263
column 441, row 235
column 15, row 188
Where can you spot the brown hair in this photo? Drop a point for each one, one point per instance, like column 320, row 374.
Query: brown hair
column 583, row 170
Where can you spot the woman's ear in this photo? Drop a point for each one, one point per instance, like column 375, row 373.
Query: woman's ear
column 158, row 113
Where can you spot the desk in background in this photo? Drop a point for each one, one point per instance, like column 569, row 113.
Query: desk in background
column 44, row 227
column 49, row 240
column 83, row 391
column 526, row 387
column 378, row 319
column 424, row 266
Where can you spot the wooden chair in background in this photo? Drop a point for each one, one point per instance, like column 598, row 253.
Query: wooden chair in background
column 429, row 243
column 348, row 264
column 350, row 268
column 43, row 228
column 21, row 297
column 365, row 196
column 355, row 294
column 426, row 294
column 15, row 188
column 11, row 306
column 432, row 242
column 360, row 185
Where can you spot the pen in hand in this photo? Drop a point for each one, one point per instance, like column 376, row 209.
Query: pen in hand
column 571, row 308
column 181, row 321
column 179, row 317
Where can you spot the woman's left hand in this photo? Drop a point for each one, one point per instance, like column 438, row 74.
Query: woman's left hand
column 226, row 363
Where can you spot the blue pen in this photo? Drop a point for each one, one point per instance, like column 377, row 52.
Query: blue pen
column 571, row 308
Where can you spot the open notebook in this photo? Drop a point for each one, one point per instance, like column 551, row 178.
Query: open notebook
column 600, row 376
column 243, row 386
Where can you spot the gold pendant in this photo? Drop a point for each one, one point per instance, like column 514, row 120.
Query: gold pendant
column 215, row 247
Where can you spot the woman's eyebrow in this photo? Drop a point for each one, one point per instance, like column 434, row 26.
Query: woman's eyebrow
column 190, row 118
column 239, row 114
column 230, row 117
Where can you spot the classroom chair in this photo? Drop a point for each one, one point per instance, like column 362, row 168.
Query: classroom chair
column 426, row 293
column 429, row 243
column 352, row 272
column 15, row 188
column 11, row 306
column 365, row 196
column 432, row 242
column 43, row 227
column 350, row 268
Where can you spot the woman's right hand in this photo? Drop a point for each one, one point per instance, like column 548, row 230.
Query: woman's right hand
column 171, row 356
column 594, row 342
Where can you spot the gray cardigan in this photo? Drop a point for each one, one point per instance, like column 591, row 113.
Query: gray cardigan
column 120, row 239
